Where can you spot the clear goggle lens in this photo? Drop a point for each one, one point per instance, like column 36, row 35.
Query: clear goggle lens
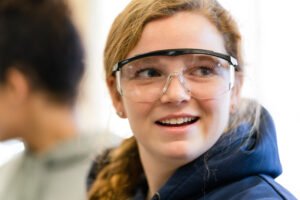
column 202, row 76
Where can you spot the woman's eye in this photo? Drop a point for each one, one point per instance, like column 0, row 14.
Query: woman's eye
column 147, row 73
column 203, row 71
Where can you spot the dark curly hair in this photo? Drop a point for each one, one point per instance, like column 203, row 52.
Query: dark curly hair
column 38, row 38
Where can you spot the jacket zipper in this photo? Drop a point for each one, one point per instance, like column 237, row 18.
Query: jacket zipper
column 156, row 196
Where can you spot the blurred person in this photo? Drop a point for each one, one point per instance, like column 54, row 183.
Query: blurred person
column 175, row 70
column 41, row 65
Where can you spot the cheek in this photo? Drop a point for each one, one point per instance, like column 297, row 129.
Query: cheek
column 216, row 115
column 137, row 114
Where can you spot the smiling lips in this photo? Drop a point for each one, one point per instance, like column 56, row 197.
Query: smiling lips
column 177, row 121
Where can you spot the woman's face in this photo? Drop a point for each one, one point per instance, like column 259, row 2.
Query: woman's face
column 186, row 142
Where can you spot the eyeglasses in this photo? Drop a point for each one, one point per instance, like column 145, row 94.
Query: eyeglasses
column 202, row 73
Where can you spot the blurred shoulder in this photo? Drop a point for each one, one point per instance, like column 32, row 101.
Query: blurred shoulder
column 11, row 164
column 8, row 169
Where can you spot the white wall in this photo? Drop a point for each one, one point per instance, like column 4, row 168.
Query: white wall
column 270, row 29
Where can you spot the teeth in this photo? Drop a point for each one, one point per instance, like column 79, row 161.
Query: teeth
column 175, row 121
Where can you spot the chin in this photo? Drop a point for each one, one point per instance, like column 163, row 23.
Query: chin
column 181, row 150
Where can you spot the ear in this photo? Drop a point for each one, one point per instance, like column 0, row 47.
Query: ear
column 236, row 94
column 116, row 97
column 17, row 86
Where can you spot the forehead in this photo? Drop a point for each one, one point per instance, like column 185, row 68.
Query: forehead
column 182, row 30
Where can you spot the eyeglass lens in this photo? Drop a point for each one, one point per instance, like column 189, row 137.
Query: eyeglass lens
column 202, row 76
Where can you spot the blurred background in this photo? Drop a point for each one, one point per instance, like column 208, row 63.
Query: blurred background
column 271, row 40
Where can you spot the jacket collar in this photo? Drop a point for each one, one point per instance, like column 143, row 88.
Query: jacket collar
column 236, row 155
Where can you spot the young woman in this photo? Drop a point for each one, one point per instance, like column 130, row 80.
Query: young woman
column 175, row 70
column 41, row 64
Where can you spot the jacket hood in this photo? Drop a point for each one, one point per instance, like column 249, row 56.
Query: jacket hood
column 236, row 155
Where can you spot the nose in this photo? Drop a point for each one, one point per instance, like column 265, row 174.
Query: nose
column 175, row 90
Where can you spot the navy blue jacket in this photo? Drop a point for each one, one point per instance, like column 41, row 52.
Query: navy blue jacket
column 237, row 167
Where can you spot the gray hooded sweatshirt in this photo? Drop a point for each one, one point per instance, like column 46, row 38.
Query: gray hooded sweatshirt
column 59, row 174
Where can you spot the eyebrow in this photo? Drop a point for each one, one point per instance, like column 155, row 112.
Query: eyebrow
column 161, row 60
column 147, row 60
column 175, row 52
column 202, row 57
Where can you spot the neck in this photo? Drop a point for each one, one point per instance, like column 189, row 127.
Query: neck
column 157, row 170
column 50, row 125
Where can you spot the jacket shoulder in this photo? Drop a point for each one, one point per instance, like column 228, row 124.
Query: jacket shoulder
column 280, row 190
column 99, row 163
column 254, row 187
